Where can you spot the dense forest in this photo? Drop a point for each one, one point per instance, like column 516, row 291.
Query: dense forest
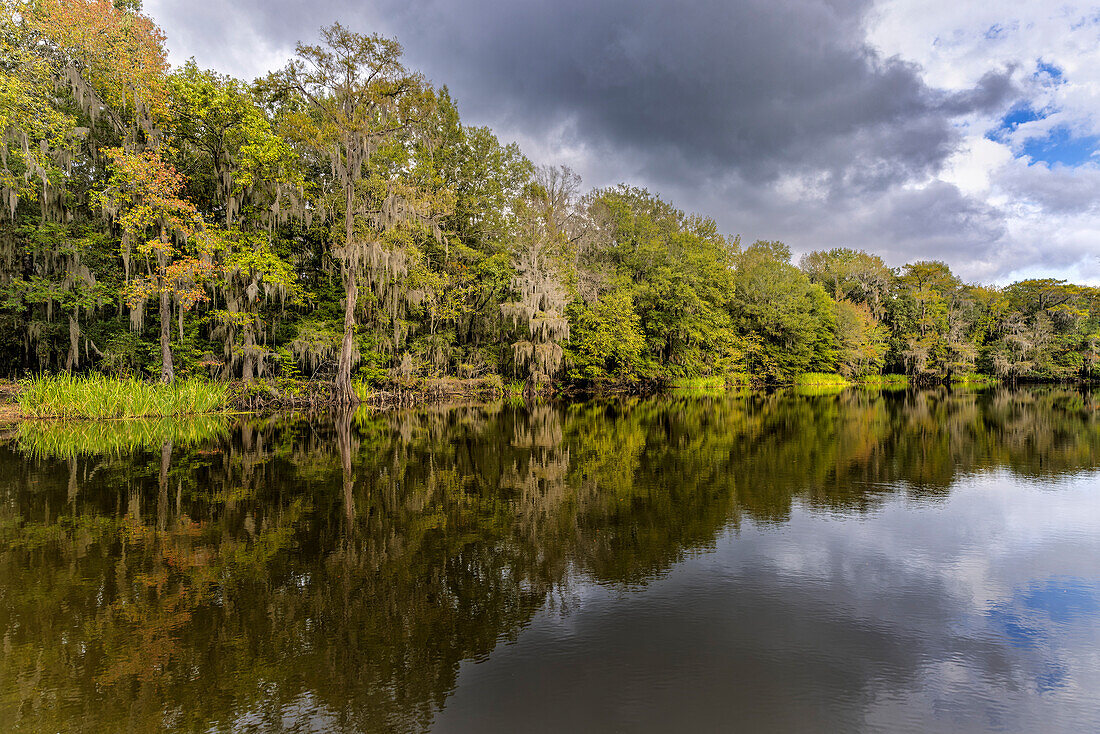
column 336, row 220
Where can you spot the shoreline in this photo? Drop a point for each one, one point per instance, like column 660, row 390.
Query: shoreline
column 261, row 397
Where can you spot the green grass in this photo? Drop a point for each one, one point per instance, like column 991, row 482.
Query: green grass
column 711, row 382
column 974, row 379
column 97, row 396
column 363, row 390
column 51, row 439
column 820, row 379
column 884, row 382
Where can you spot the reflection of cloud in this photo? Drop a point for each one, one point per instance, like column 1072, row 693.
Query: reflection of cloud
column 1035, row 618
column 976, row 612
column 1065, row 600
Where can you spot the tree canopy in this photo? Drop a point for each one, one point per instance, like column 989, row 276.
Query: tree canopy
column 336, row 220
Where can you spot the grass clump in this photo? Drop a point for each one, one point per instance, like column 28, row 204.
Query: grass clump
column 884, row 382
column 513, row 392
column 710, row 382
column 973, row 379
column 98, row 396
column 820, row 379
column 363, row 390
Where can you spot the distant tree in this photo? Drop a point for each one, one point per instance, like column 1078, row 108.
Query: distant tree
column 852, row 275
column 549, row 220
column 360, row 100
column 680, row 271
column 788, row 322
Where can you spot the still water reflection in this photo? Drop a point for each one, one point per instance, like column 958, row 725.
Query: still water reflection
column 905, row 562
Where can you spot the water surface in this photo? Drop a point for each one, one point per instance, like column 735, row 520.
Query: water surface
column 882, row 562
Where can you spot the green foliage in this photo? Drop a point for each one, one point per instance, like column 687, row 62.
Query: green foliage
column 606, row 339
column 513, row 392
column 850, row 275
column 862, row 341
column 363, row 390
column 678, row 271
column 344, row 197
column 788, row 320
column 97, row 396
column 822, row 379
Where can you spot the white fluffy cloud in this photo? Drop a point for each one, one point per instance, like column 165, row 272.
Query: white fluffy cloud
column 1049, row 208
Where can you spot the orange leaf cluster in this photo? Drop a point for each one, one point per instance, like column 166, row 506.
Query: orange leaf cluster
column 118, row 52
column 146, row 192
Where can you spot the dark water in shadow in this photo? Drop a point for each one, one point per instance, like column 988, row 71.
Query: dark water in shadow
column 901, row 562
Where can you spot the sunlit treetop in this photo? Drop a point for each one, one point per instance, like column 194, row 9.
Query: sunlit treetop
column 111, row 56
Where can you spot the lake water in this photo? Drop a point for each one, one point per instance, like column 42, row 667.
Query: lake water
column 912, row 561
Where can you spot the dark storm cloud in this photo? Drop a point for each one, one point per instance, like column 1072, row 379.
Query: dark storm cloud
column 903, row 224
column 715, row 104
column 760, row 87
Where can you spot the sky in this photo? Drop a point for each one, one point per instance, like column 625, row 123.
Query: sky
column 953, row 130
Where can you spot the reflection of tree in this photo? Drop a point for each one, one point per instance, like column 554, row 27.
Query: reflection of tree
column 343, row 568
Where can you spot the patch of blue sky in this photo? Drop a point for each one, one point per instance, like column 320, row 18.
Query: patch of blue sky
column 1058, row 145
column 1019, row 114
column 1047, row 72
column 1062, row 146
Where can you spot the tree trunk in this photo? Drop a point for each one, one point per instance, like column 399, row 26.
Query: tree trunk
column 74, row 345
column 345, row 394
column 166, row 375
column 249, row 342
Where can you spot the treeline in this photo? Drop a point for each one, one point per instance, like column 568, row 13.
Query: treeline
column 337, row 221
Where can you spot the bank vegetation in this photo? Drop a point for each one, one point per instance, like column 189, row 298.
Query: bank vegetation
column 336, row 224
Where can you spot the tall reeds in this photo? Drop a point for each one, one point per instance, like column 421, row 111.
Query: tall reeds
column 98, row 396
